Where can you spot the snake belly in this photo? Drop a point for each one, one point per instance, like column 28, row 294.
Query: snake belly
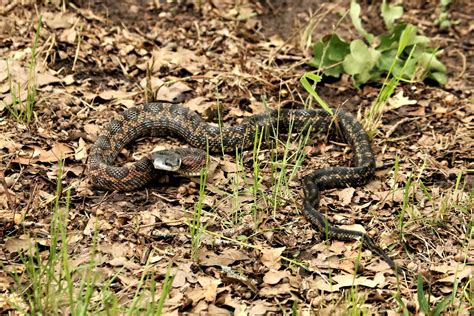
column 168, row 119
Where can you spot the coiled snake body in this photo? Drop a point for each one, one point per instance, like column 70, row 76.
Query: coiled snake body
column 167, row 119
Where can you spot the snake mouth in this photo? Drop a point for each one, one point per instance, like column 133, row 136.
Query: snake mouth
column 166, row 160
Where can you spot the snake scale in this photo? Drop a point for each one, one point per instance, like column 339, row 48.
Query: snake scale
column 168, row 119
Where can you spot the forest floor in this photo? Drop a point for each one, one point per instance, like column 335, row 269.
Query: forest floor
column 253, row 251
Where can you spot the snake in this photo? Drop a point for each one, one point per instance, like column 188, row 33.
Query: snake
column 171, row 119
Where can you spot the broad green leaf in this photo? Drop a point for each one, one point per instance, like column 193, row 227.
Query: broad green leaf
column 361, row 59
column 444, row 24
column 328, row 55
column 317, row 54
column 338, row 49
column 439, row 76
column 354, row 13
column 390, row 13
column 390, row 41
column 429, row 61
column 420, row 40
column 400, row 53
column 360, row 62
column 405, row 69
column 334, row 71
column 386, row 60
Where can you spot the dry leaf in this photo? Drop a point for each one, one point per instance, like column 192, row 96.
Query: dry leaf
column 43, row 79
column 68, row 36
column 124, row 262
column 80, row 153
column 271, row 258
column 18, row 244
column 173, row 92
column 272, row 291
column 346, row 280
column 398, row 100
column 457, row 276
column 184, row 58
column 258, row 308
column 117, row 250
column 180, row 278
column 226, row 258
column 58, row 152
column 91, row 129
column 115, row 94
column 345, row 195
column 198, row 104
column 273, row 277
column 59, row 20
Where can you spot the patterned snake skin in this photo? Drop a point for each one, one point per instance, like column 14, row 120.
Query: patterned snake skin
column 166, row 119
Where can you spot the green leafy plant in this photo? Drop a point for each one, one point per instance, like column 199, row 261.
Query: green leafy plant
column 443, row 19
column 367, row 60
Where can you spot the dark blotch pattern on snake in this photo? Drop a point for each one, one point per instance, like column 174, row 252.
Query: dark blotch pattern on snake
column 166, row 119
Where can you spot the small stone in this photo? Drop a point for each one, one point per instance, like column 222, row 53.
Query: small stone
column 182, row 189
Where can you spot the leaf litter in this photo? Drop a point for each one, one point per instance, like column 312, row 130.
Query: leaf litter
column 227, row 62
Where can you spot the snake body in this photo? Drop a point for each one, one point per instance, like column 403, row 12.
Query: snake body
column 167, row 119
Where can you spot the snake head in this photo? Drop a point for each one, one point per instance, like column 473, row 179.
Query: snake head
column 167, row 160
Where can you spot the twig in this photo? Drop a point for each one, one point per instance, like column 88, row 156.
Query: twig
column 396, row 125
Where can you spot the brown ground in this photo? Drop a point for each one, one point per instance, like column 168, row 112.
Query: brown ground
column 92, row 63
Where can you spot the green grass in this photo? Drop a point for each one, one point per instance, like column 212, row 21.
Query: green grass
column 455, row 203
column 196, row 228
column 23, row 111
column 50, row 285
column 413, row 187
column 53, row 285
